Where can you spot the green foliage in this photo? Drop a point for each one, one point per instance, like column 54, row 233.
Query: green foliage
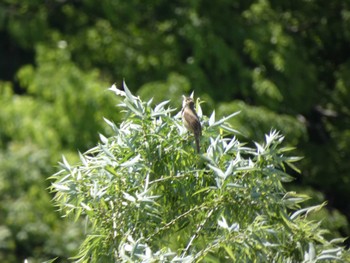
column 150, row 198
column 272, row 49
column 27, row 219
column 73, row 99
column 63, row 106
column 283, row 64
column 59, row 112
column 253, row 127
column 175, row 86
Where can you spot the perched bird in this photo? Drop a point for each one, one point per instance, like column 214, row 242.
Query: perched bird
column 190, row 119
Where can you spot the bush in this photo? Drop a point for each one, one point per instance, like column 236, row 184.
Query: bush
column 148, row 197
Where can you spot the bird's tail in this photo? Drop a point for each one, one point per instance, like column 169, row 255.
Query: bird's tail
column 197, row 143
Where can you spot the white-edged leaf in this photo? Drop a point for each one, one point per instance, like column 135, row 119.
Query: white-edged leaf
column 333, row 250
column 160, row 105
column 225, row 118
column 307, row 210
column 292, row 159
column 223, row 223
column 82, row 159
column 149, row 102
column 259, row 147
column 212, row 118
column 229, row 129
column 293, row 197
column 230, row 145
column 339, row 240
column 85, row 206
column 103, row 138
column 132, row 161
column 117, row 91
column 217, row 170
column 234, row 227
column 65, row 163
column 312, row 252
column 230, row 168
column 111, row 124
column 60, row 187
column 199, row 109
column 133, row 109
column 129, row 197
column 128, row 93
column 328, row 257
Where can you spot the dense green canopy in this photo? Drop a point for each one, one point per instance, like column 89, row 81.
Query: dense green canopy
column 284, row 64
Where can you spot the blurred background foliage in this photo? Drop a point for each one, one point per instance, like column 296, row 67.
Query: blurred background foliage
column 284, row 64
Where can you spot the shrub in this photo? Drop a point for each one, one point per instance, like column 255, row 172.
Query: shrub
column 148, row 197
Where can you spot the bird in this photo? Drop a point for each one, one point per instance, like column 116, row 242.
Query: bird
column 190, row 119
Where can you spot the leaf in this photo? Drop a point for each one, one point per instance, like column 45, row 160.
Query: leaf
column 111, row 124
column 328, row 257
column 83, row 160
column 212, row 119
column 131, row 162
column 65, row 164
column 61, row 187
column 311, row 253
column 338, row 240
column 205, row 189
column 259, row 147
column 229, row 129
column 286, row 149
column 133, row 109
column 230, row 252
column 292, row 159
column 293, row 167
column 291, row 198
column 284, row 177
column 85, row 206
column 117, row 91
column 307, row 210
column 225, row 119
column 235, row 185
column 107, row 152
column 218, row 171
column 111, row 170
column 273, row 136
column 129, row 197
column 103, row 138
column 230, row 168
column 223, row 223
column 334, row 250
column 161, row 105
column 199, row 109
column 128, row 94
column 230, row 145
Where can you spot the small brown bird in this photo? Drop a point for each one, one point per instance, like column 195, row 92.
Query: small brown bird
column 191, row 120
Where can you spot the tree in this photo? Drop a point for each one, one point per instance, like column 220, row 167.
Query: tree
column 149, row 197
column 59, row 112
column 283, row 64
